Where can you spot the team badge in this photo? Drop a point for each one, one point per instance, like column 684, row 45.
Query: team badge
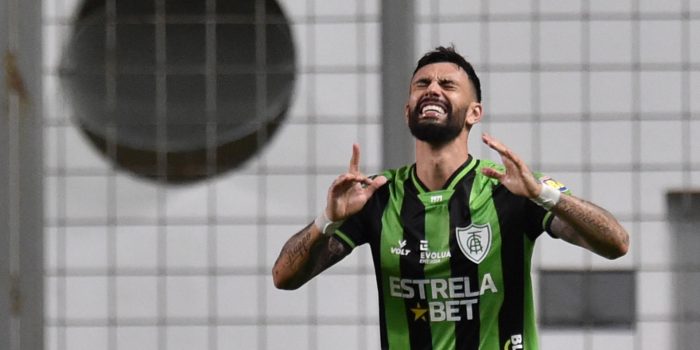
column 474, row 241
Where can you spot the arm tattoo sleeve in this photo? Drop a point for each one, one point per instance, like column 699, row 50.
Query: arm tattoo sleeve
column 303, row 257
column 590, row 226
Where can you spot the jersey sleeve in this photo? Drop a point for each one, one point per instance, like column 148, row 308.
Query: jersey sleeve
column 359, row 228
column 352, row 232
column 537, row 219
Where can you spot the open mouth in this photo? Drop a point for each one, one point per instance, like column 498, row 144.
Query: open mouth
column 432, row 109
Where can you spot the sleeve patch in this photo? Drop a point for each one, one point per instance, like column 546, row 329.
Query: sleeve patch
column 553, row 183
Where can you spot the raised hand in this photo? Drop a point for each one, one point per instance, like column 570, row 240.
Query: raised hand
column 350, row 191
column 517, row 177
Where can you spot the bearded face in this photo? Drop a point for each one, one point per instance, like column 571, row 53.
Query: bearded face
column 439, row 98
column 436, row 122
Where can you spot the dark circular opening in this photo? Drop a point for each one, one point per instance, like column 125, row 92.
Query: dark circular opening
column 179, row 93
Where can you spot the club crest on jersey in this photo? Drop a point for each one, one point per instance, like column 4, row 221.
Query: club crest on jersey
column 474, row 241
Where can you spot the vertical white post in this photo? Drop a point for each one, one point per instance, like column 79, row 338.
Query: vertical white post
column 397, row 65
column 21, row 176
column 4, row 186
column 684, row 218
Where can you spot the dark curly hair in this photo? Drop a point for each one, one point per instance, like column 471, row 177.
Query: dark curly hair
column 448, row 54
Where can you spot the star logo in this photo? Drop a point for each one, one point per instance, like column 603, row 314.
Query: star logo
column 419, row 313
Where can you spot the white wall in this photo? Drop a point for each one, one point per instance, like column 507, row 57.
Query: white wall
column 601, row 95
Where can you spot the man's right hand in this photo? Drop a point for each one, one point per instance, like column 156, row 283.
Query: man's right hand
column 350, row 191
column 309, row 252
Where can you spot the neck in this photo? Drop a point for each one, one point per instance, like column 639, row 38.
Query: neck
column 435, row 164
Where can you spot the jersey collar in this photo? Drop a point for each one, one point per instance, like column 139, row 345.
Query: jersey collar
column 451, row 182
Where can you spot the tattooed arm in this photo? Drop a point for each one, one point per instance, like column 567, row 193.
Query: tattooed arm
column 309, row 251
column 576, row 221
column 589, row 226
column 305, row 255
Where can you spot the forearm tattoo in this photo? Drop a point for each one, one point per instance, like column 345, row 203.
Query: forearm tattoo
column 590, row 225
column 306, row 258
column 324, row 258
column 296, row 248
column 585, row 216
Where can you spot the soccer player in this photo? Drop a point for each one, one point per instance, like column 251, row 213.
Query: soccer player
column 451, row 236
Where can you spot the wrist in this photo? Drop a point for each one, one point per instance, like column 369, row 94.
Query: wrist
column 548, row 197
column 325, row 225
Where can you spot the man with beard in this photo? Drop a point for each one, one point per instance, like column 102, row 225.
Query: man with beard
column 451, row 236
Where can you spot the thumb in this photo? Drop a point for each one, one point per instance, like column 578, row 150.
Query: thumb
column 492, row 173
column 376, row 183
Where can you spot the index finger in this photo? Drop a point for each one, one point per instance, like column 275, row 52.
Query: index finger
column 501, row 149
column 355, row 160
column 493, row 143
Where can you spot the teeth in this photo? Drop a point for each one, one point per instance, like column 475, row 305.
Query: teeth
column 433, row 108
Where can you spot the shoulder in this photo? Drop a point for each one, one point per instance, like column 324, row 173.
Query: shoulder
column 482, row 180
column 397, row 175
column 487, row 163
column 539, row 176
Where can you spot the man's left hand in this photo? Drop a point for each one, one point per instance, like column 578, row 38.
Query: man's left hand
column 517, row 177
